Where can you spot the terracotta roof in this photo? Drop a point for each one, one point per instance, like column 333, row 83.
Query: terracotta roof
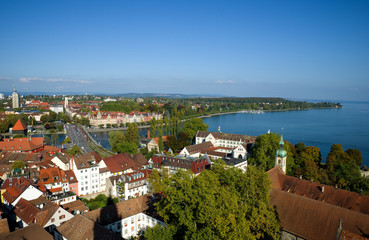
column 140, row 159
column 156, row 139
column 346, row 235
column 13, row 192
column 19, row 126
column 227, row 136
column 196, row 165
column 51, row 175
column 80, row 227
column 22, row 144
column 119, row 162
column 316, row 220
column 43, row 217
column 116, row 212
column 4, row 226
column 320, row 192
column 84, row 160
column 26, row 211
column 38, row 201
column 137, row 176
column 9, row 182
column 74, row 206
column 32, row 232
column 71, row 176
column 97, row 156
column 51, row 148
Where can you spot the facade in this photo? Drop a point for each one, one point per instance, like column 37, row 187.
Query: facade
column 57, row 108
column 235, row 144
column 128, row 218
column 23, row 189
column 15, row 99
column 87, row 173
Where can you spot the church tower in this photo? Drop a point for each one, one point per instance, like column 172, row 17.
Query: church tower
column 281, row 156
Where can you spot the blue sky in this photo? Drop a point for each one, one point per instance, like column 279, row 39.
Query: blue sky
column 290, row 49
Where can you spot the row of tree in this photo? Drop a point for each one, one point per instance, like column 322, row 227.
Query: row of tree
column 128, row 142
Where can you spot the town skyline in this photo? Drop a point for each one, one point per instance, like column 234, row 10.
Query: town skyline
column 304, row 50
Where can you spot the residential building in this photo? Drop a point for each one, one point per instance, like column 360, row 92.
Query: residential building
column 81, row 227
column 87, row 173
column 174, row 163
column 128, row 218
column 23, row 189
column 32, row 232
column 28, row 145
column 50, row 214
column 154, row 144
column 57, row 108
column 19, row 128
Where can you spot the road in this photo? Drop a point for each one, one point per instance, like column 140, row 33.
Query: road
column 77, row 138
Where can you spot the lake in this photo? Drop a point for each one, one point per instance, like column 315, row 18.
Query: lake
column 321, row 128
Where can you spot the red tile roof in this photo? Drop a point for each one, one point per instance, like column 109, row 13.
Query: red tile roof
column 119, row 162
column 13, row 192
column 19, row 126
column 22, row 144
column 26, row 211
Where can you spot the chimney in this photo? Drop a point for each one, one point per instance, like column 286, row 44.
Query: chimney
column 148, row 133
column 322, row 189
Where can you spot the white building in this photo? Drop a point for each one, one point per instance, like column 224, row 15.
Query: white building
column 15, row 99
column 23, row 189
column 126, row 218
column 87, row 173
column 1, row 96
column 57, row 108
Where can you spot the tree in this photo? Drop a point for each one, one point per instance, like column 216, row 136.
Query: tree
column 132, row 135
column 115, row 139
column 193, row 125
column 161, row 146
column 66, row 140
column 264, row 151
column 355, row 155
column 75, row 150
column 153, row 128
column 18, row 164
column 222, row 203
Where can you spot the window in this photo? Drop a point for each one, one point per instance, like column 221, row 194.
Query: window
column 61, row 217
column 52, row 220
column 132, row 220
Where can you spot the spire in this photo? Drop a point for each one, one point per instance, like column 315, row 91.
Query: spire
column 281, row 143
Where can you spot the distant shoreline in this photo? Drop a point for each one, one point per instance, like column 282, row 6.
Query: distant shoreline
column 277, row 110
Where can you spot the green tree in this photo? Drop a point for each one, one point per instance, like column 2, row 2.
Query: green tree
column 161, row 145
column 153, row 128
column 18, row 164
column 132, row 135
column 193, row 125
column 116, row 138
column 222, row 203
column 264, row 151
column 75, row 150
column 355, row 155
column 54, row 139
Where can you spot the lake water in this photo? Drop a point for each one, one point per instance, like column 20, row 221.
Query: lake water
column 321, row 128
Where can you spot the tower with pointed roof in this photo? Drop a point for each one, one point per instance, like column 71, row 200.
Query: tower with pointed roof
column 281, row 156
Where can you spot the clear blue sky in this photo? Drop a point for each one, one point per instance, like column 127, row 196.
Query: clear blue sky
column 291, row 49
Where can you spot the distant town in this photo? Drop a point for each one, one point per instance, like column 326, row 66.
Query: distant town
column 177, row 180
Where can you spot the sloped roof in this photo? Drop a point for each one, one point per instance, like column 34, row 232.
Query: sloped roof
column 83, row 161
column 320, row 192
column 50, row 175
column 22, row 144
column 313, row 219
column 26, row 211
column 119, row 162
column 139, row 159
column 116, row 212
column 4, row 226
column 13, row 192
column 71, row 176
column 80, row 227
column 32, row 232
column 227, row 136
column 75, row 205
column 19, row 126
column 199, row 147
column 43, row 217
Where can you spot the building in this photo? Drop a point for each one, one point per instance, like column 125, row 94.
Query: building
column 174, row 163
column 309, row 210
column 238, row 145
column 281, row 156
column 128, row 218
column 23, row 189
column 87, row 173
column 1, row 96
column 15, row 99
column 19, row 128
column 32, row 232
column 28, row 145
column 153, row 144
column 56, row 108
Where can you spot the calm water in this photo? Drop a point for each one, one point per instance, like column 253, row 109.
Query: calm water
column 322, row 128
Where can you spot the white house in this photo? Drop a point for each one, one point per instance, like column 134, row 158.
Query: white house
column 23, row 189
